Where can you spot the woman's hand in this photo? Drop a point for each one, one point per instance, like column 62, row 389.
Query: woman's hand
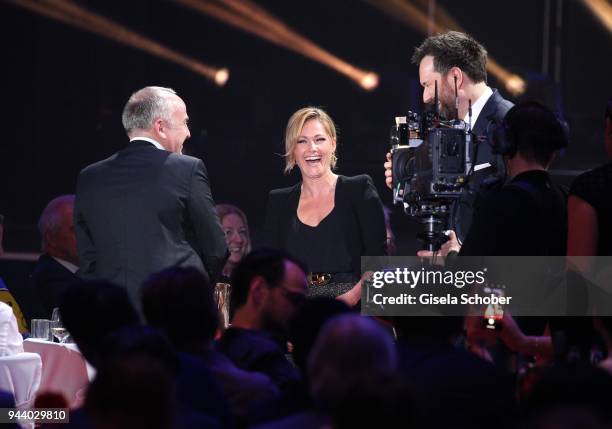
column 352, row 297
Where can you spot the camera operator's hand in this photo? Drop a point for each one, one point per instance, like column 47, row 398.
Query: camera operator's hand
column 388, row 172
column 452, row 245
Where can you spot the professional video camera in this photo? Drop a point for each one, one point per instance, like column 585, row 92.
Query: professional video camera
column 431, row 164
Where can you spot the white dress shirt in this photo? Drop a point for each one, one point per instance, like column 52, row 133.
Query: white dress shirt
column 477, row 106
column 68, row 265
column 153, row 142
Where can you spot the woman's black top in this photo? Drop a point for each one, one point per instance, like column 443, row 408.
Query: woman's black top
column 595, row 187
column 354, row 228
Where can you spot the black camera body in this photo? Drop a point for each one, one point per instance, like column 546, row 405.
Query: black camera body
column 431, row 163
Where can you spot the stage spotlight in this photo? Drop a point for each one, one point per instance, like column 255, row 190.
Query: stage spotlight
column 369, row 81
column 252, row 18
column 72, row 14
column 416, row 18
column 515, row 85
column 221, row 76
column 602, row 10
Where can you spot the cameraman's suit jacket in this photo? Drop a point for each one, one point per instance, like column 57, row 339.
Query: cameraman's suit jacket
column 143, row 210
column 495, row 108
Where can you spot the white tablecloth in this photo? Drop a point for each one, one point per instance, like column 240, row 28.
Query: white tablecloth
column 64, row 369
column 20, row 374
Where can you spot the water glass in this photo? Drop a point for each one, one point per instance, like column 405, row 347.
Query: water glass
column 40, row 329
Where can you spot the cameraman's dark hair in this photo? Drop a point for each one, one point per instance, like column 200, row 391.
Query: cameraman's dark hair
column 535, row 130
column 264, row 262
column 179, row 302
column 454, row 49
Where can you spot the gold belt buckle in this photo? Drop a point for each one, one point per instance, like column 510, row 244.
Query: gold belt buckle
column 319, row 279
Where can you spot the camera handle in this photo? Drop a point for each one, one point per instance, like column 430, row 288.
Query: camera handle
column 432, row 235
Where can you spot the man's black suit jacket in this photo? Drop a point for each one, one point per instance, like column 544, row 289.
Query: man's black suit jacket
column 143, row 210
column 50, row 279
column 495, row 108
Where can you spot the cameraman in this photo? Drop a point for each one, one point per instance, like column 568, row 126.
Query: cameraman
column 456, row 60
column 525, row 216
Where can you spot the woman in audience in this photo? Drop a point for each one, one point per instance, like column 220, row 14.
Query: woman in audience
column 590, row 207
column 589, row 234
column 236, row 228
column 327, row 220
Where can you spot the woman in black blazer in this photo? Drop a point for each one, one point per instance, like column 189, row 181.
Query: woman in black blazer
column 329, row 221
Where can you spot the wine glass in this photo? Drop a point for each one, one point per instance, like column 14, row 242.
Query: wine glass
column 57, row 327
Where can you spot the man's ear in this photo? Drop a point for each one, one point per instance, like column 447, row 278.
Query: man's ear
column 49, row 238
column 455, row 72
column 258, row 290
column 159, row 127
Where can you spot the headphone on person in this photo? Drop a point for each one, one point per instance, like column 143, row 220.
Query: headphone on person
column 499, row 137
column 503, row 138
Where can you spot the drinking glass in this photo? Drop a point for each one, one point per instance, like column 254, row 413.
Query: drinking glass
column 222, row 297
column 40, row 329
column 57, row 327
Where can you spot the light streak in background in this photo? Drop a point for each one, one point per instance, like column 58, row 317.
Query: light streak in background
column 602, row 9
column 412, row 16
column 77, row 16
column 250, row 17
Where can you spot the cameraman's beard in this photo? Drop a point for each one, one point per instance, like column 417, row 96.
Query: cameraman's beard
column 446, row 104
column 446, row 110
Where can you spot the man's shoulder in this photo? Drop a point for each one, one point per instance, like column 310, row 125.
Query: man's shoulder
column 183, row 163
column 98, row 165
column 153, row 155
column 183, row 159
column 497, row 106
column 248, row 339
column 514, row 199
column 46, row 263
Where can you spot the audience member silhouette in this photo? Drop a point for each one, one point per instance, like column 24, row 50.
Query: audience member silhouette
column 267, row 287
column 179, row 302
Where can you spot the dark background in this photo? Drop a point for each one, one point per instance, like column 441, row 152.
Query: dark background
column 63, row 90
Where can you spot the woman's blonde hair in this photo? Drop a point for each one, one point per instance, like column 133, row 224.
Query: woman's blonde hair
column 294, row 128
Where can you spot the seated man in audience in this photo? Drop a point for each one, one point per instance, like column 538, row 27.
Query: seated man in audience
column 56, row 267
column 267, row 287
column 179, row 302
